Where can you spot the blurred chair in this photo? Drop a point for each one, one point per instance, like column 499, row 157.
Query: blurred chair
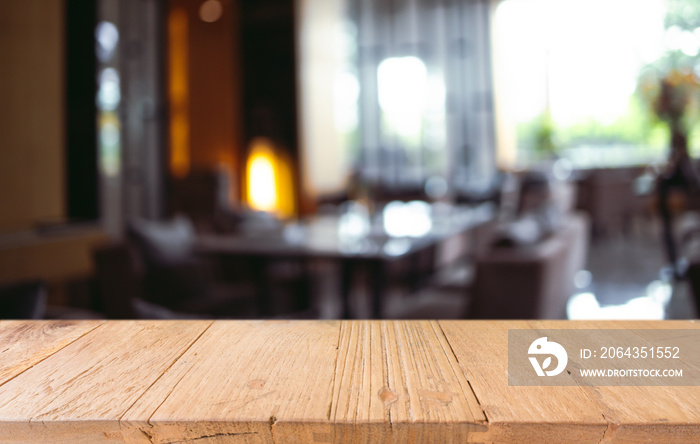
column 609, row 198
column 25, row 300
column 174, row 276
column 120, row 294
column 203, row 196
column 687, row 231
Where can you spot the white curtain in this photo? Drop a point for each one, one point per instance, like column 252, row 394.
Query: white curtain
column 425, row 100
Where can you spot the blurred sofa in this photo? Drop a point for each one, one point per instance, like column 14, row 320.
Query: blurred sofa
column 532, row 281
column 520, row 266
column 528, row 272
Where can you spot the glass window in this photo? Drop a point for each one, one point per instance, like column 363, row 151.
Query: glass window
column 567, row 75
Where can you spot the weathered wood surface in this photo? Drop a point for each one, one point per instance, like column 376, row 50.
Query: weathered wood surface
column 310, row 381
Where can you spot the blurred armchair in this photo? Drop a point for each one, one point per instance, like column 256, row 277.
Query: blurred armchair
column 203, row 197
column 531, row 281
column 176, row 277
column 119, row 286
column 156, row 274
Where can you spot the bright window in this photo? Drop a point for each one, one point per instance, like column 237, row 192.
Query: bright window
column 566, row 74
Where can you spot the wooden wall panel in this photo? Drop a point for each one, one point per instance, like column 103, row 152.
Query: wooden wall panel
column 31, row 112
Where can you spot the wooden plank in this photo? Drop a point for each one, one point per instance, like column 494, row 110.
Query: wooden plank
column 24, row 344
column 246, row 381
column 360, row 389
column 649, row 414
column 398, row 381
column 79, row 393
column 393, row 381
column 644, row 413
column 519, row 414
column 311, row 381
column 632, row 414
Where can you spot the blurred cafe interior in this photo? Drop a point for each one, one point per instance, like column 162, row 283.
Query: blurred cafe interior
column 349, row 159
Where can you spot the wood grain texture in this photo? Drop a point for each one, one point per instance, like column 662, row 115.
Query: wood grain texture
column 645, row 413
column 79, row 393
column 257, row 381
column 24, row 344
column 569, row 414
column 311, row 381
column 519, row 414
column 399, row 382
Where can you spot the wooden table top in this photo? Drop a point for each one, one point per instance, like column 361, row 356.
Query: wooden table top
column 310, row 381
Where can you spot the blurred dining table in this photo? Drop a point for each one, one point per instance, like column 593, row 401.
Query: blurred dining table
column 352, row 238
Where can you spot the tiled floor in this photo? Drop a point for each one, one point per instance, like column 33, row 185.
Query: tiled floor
column 628, row 267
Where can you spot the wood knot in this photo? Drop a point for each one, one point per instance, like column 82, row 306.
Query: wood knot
column 256, row 383
column 387, row 395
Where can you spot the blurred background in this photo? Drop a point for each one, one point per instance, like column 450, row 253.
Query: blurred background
column 478, row 159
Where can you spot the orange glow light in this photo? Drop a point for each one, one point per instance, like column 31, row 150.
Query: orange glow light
column 261, row 176
column 269, row 183
column 178, row 89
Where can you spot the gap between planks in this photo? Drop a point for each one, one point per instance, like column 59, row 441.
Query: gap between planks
column 338, row 374
column 459, row 369
column 366, row 352
column 385, row 374
column 58, row 349
column 392, row 358
column 164, row 372
column 335, row 371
